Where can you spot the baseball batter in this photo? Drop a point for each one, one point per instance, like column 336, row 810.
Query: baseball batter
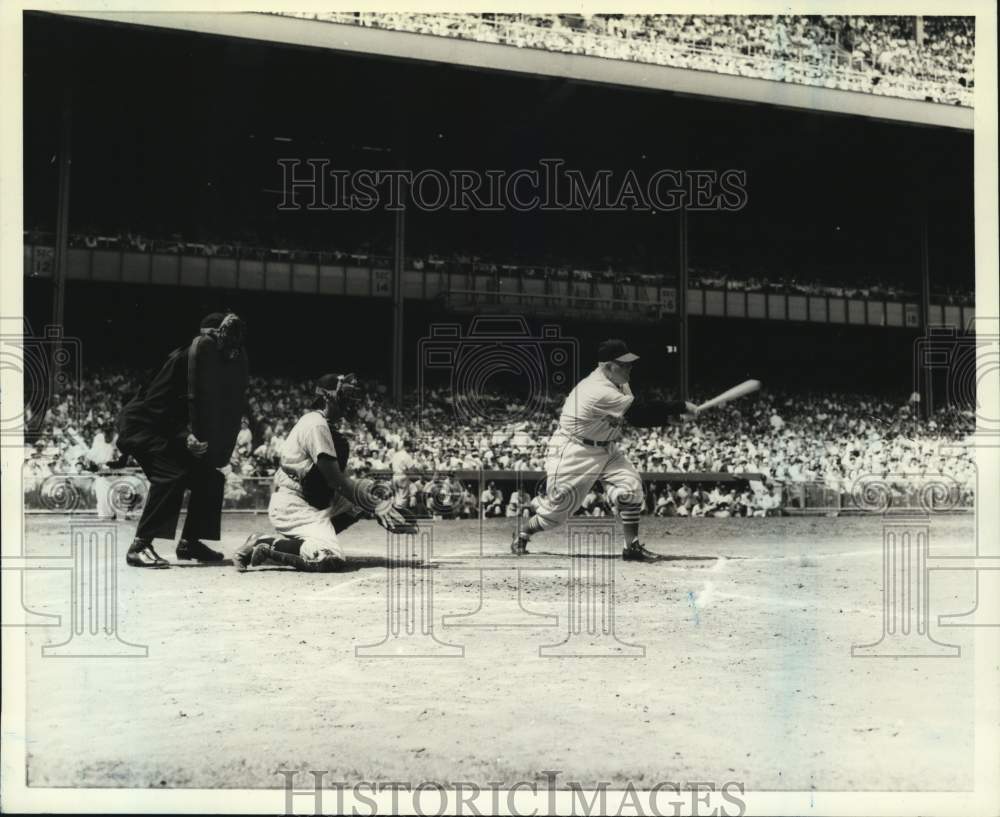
column 584, row 449
column 402, row 464
column 313, row 497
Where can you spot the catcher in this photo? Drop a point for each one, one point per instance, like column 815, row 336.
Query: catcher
column 313, row 498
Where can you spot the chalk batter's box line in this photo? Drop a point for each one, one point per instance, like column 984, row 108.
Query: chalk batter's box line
column 560, row 604
column 528, row 566
column 775, row 601
column 963, row 563
column 379, row 578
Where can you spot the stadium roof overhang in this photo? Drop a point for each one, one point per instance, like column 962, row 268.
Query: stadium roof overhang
column 493, row 57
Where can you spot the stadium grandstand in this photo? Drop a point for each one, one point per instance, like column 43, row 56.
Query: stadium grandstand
column 827, row 259
column 791, row 441
column 929, row 59
column 328, row 316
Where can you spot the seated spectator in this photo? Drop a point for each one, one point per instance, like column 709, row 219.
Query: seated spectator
column 666, row 505
column 244, row 439
column 491, row 501
column 518, row 504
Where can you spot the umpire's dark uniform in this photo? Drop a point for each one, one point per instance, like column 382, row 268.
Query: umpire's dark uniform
column 153, row 428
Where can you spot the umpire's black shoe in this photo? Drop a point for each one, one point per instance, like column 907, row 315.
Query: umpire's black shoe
column 198, row 551
column 519, row 544
column 636, row 552
column 141, row 554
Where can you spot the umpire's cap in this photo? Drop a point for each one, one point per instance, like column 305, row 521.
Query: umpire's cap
column 615, row 349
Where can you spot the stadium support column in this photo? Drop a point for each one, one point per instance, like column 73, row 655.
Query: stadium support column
column 682, row 304
column 398, row 256
column 927, row 398
column 62, row 233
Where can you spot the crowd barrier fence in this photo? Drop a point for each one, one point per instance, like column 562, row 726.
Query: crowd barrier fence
column 125, row 491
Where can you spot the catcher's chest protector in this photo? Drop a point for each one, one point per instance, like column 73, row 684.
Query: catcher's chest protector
column 217, row 388
column 315, row 490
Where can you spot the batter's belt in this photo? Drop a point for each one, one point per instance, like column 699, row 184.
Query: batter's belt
column 588, row 442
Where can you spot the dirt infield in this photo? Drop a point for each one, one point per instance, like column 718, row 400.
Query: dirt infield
column 746, row 675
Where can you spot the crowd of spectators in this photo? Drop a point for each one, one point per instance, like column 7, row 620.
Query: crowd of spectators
column 446, row 497
column 784, row 438
column 876, row 288
column 844, row 285
column 926, row 58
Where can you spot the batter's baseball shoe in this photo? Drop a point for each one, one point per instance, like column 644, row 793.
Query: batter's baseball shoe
column 141, row 554
column 519, row 544
column 635, row 551
column 198, row 551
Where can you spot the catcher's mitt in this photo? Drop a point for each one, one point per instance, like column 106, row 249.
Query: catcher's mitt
column 396, row 520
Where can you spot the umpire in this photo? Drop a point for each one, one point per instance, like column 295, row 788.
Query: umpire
column 178, row 429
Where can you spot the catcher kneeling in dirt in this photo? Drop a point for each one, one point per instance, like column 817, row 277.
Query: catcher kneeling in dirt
column 313, row 498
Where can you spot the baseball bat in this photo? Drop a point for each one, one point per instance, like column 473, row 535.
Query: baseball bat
column 743, row 389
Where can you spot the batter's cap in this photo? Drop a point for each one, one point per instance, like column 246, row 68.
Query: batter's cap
column 212, row 320
column 615, row 349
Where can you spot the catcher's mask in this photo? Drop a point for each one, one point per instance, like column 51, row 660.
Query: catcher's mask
column 341, row 389
column 228, row 329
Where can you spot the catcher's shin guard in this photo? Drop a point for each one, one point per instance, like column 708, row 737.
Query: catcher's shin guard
column 289, row 552
column 290, row 559
column 243, row 558
column 280, row 551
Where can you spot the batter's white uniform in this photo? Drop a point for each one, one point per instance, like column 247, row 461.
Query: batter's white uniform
column 100, row 454
column 401, row 464
column 584, row 449
column 289, row 513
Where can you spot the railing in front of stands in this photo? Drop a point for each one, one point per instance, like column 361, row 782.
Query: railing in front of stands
column 463, row 283
column 125, row 492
